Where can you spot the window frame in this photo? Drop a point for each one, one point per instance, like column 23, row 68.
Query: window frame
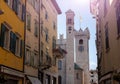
column 28, row 21
column 118, row 18
column 107, row 46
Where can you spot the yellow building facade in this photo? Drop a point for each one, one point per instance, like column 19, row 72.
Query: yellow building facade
column 108, row 40
column 12, row 41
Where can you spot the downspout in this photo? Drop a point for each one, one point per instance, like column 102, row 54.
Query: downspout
column 24, row 40
column 39, row 33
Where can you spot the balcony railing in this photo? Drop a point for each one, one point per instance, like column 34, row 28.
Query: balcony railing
column 46, row 62
column 59, row 52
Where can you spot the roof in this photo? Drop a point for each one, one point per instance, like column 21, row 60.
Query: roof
column 76, row 67
column 69, row 11
column 56, row 6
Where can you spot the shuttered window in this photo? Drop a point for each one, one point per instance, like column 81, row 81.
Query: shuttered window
column 5, row 36
column 2, row 36
column 36, row 25
column 23, row 12
column 12, row 42
column 15, row 6
column 28, row 21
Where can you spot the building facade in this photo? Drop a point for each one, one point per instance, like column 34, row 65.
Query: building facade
column 12, row 17
column 76, row 41
column 32, row 41
column 62, row 62
column 107, row 39
column 82, row 52
column 93, row 77
column 48, row 71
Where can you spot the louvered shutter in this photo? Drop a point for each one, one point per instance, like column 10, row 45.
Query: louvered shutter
column 12, row 42
column 21, row 48
column 23, row 12
column 15, row 6
column 2, row 36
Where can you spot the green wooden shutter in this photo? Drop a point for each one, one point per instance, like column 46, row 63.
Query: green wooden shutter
column 12, row 42
column 2, row 36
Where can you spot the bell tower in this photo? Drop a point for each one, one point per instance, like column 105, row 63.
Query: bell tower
column 82, row 52
column 70, row 47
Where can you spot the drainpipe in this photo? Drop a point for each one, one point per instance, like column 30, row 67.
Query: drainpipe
column 39, row 33
column 24, row 40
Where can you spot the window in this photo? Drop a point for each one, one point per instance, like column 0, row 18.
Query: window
column 54, row 80
column 80, row 41
column 23, row 12
column 9, row 2
column 69, row 21
column 54, row 43
column 77, row 75
column 108, row 81
column 32, row 59
column 46, row 36
column 20, row 10
column 27, row 56
column 37, row 5
column 105, row 7
column 106, row 36
column 36, row 28
column 54, row 60
column 59, row 80
column 46, row 15
column 5, row 36
column 18, row 44
column 42, row 30
column 35, row 60
column 70, row 28
column 15, row 6
column 81, row 48
column 28, row 21
column 59, row 64
column 118, row 18
column 54, row 25
column 10, row 40
column 18, row 7
column 42, row 53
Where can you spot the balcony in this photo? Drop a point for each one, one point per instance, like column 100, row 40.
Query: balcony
column 46, row 62
column 59, row 53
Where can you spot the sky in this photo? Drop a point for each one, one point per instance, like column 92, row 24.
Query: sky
column 81, row 9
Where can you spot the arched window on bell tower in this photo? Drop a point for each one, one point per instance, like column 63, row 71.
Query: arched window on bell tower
column 80, row 41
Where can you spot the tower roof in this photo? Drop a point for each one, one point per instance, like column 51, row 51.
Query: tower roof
column 70, row 11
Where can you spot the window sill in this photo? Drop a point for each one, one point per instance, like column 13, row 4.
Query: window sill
column 6, row 49
column 18, row 55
